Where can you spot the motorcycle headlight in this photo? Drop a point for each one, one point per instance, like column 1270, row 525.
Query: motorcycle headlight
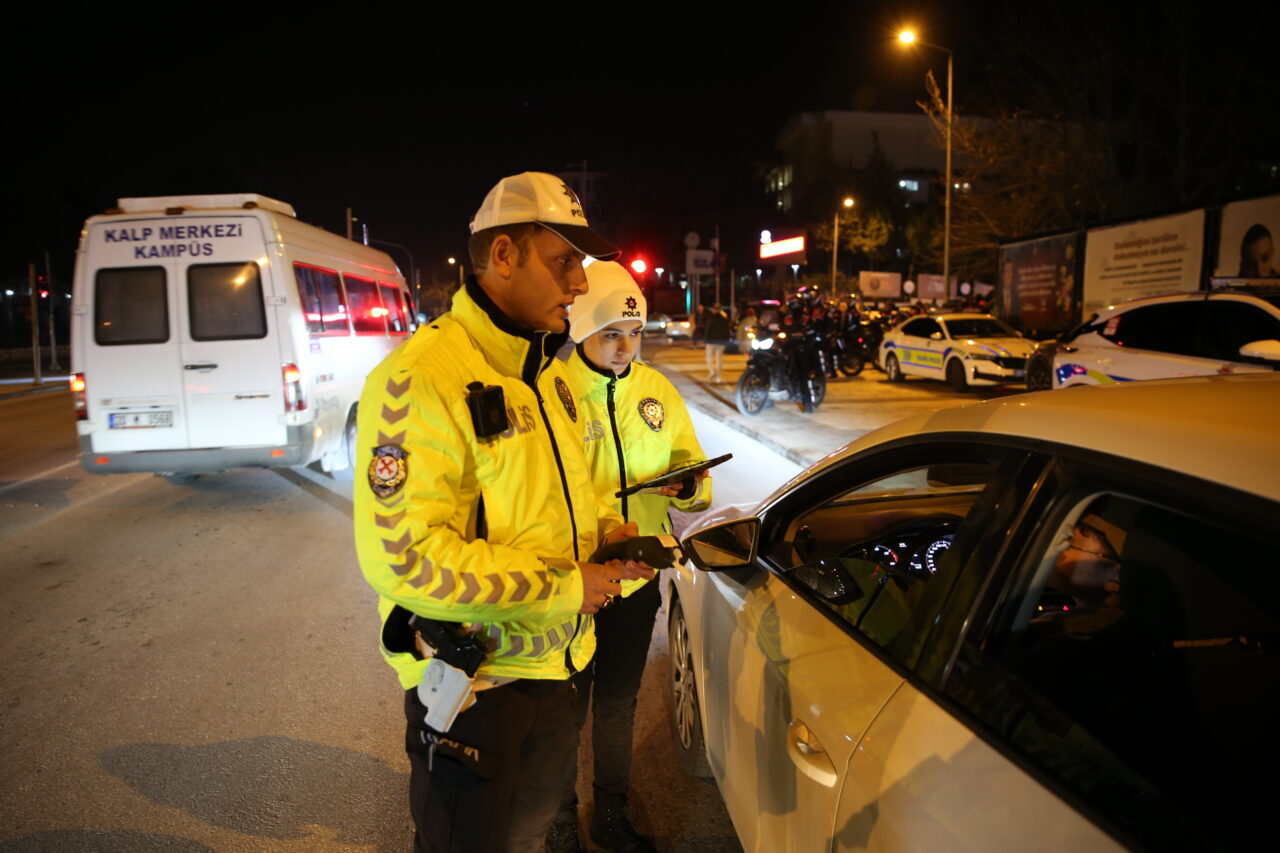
column 756, row 343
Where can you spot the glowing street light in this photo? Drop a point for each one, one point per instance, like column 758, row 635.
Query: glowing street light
column 835, row 241
column 908, row 37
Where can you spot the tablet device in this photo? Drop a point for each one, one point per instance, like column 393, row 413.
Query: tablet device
column 675, row 475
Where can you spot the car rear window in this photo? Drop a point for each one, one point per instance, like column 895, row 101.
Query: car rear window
column 367, row 312
column 224, row 302
column 921, row 328
column 1229, row 325
column 130, row 306
column 323, row 301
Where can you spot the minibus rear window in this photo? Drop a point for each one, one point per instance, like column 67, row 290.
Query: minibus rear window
column 366, row 308
column 130, row 306
column 224, row 302
column 397, row 316
column 323, row 302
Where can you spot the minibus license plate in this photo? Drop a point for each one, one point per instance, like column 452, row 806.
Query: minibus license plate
column 141, row 420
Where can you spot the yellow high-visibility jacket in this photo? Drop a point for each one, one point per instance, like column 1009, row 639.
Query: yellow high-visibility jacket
column 482, row 531
column 635, row 427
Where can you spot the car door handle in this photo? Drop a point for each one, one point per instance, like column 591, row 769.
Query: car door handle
column 199, row 367
column 808, row 755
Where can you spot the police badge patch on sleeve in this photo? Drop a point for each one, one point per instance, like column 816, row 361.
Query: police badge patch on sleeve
column 388, row 469
column 653, row 413
column 566, row 397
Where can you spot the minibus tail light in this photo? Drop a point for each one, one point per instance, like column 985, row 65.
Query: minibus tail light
column 293, row 399
column 78, row 392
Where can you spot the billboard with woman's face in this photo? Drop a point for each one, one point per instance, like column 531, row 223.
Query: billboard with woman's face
column 1246, row 242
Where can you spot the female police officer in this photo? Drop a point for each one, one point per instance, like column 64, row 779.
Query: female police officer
column 636, row 427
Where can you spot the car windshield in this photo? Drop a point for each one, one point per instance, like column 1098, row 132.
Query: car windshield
column 980, row 327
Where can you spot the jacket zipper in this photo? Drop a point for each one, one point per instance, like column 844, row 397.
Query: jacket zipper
column 573, row 522
column 617, row 443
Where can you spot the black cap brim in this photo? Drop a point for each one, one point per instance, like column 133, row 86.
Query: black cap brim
column 584, row 240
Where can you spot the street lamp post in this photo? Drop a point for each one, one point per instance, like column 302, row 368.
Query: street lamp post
column 835, row 242
column 909, row 37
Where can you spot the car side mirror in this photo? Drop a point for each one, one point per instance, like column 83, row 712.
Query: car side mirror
column 829, row 580
column 725, row 546
column 937, row 336
column 1265, row 350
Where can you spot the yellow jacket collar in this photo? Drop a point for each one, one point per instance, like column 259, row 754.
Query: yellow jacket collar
column 511, row 348
column 593, row 379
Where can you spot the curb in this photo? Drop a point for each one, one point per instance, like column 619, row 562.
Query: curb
column 695, row 394
column 43, row 389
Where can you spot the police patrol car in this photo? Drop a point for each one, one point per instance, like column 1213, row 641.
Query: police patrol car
column 218, row 331
column 1162, row 337
column 963, row 349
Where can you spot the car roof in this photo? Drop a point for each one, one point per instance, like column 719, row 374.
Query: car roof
column 1265, row 297
column 964, row 315
column 1224, row 429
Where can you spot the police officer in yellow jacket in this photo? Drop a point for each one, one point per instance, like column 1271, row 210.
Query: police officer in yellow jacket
column 634, row 426
column 474, row 518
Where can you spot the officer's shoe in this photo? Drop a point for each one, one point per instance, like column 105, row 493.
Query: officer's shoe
column 611, row 830
column 563, row 835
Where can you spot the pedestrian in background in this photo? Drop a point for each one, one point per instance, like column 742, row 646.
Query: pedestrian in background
column 746, row 323
column 717, row 334
column 476, row 521
column 635, row 427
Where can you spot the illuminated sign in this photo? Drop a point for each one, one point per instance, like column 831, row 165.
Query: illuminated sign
column 790, row 246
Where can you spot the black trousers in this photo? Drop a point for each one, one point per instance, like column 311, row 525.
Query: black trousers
column 610, row 684
column 493, row 782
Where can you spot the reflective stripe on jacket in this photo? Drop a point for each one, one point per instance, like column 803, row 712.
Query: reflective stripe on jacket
column 471, row 530
column 642, row 414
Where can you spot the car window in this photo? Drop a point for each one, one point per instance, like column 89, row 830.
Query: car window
column 1135, row 664
column 899, row 539
column 1169, row 327
column 1229, row 325
column 921, row 327
column 323, row 302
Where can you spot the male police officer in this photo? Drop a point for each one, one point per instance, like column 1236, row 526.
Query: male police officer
column 474, row 505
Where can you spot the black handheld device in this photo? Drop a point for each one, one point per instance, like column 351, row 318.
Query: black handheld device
column 488, row 409
column 660, row 552
column 675, row 475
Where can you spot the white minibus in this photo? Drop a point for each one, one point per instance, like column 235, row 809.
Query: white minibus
column 217, row 331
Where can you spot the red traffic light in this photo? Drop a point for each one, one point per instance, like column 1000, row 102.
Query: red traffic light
column 44, row 294
column 639, row 266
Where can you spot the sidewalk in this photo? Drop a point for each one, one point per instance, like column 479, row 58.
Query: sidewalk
column 804, row 439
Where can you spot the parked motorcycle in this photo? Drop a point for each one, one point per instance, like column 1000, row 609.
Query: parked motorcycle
column 782, row 366
column 848, row 351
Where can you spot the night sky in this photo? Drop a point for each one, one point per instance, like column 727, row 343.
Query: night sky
column 409, row 114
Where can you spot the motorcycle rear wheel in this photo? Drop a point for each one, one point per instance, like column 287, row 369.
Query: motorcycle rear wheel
column 752, row 394
column 851, row 363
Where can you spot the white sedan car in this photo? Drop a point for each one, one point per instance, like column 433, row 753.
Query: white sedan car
column 1162, row 337
column 1038, row 623
column 964, row 349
